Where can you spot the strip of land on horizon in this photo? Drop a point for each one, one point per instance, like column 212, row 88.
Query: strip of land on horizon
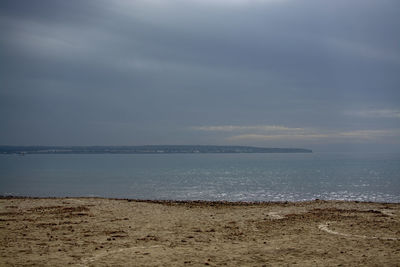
column 148, row 149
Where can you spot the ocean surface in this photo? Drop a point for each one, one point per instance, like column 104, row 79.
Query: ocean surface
column 231, row 177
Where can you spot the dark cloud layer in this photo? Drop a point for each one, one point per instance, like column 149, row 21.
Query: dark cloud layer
column 153, row 72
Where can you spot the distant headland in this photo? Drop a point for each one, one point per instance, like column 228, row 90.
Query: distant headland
column 147, row 149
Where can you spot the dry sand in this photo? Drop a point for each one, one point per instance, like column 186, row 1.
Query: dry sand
column 105, row 232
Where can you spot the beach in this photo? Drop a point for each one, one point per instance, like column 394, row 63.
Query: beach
column 122, row 232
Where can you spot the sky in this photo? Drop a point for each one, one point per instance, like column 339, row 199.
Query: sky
column 316, row 74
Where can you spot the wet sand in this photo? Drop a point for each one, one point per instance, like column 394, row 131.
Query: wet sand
column 107, row 232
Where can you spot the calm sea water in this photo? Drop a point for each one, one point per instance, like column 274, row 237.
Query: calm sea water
column 232, row 177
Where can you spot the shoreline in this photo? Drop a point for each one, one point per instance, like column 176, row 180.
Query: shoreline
column 200, row 201
column 92, row 231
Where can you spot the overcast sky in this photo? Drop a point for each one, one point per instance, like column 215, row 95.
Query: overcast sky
column 278, row 73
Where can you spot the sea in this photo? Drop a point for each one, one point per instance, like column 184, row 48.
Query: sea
column 213, row 177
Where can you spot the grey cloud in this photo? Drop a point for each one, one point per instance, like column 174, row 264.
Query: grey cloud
column 141, row 72
column 376, row 113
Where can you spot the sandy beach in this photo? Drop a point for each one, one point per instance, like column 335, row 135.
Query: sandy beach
column 109, row 232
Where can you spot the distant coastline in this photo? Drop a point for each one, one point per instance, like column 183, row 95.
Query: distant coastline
column 147, row 149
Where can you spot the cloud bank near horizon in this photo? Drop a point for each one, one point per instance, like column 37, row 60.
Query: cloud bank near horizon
column 253, row 133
